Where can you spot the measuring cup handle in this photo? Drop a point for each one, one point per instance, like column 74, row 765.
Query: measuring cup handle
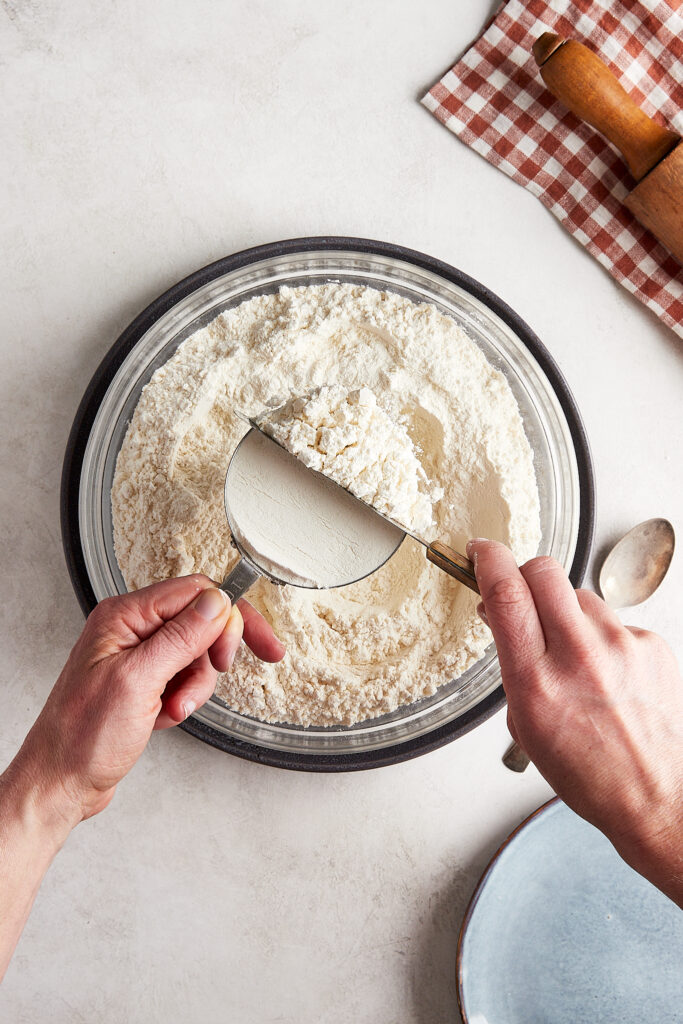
column 239, row 579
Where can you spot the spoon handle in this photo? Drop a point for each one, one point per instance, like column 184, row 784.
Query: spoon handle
column 452, row 562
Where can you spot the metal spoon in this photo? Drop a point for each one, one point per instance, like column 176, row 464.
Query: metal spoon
column 630, row 574
column 637, row 564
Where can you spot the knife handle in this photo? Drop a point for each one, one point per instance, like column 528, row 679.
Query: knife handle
column 453, row 563
column 577, row 77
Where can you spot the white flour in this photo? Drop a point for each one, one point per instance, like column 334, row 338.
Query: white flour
column 359, row 651
column 349, row 438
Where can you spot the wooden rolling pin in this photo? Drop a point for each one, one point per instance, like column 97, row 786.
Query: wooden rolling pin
column 577, row 77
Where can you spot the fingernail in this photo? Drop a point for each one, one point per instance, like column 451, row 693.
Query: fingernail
column 211, row 603
column 188, row 707
column 482, row 614
column 233, row 631
column 475, row 540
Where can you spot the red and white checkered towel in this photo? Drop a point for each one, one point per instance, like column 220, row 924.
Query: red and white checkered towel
column 494, row 99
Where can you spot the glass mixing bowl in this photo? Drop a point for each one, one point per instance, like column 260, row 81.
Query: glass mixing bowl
column 551, row 420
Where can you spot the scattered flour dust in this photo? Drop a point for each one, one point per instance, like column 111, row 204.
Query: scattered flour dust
column 360, row 651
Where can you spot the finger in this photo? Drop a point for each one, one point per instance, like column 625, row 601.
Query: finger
column 556, row 603
column 508, row 606
column 222, row 652
column 180, row 640
column 512, row 729
column 597, row 610
column 120, row 623
column 259, row 635
column 186, row 692
column 638, row 632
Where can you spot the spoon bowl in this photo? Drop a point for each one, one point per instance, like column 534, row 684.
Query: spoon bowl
column 637, row 564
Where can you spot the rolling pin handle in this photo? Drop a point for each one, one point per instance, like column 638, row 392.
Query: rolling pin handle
column 584, row 83
column 545, row 47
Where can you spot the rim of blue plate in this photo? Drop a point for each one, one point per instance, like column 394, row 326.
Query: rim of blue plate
column 481, row 884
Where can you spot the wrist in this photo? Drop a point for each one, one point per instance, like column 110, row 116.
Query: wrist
column 30, row 796
column 654, row 848
column 34, row 824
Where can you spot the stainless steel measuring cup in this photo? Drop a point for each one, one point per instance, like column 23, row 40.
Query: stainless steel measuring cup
column 374, row 541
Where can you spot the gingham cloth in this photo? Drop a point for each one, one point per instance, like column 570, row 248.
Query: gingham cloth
column 494, row 100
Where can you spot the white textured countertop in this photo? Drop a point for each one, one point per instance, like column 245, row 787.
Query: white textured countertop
column 143, row 141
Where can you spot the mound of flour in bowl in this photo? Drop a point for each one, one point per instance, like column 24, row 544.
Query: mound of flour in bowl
column 348, row 437
column 358, row 651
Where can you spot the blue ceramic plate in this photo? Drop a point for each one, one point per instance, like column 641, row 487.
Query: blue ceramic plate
column 561, row 931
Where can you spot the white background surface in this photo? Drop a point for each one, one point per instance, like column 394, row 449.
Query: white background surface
column 144, row 140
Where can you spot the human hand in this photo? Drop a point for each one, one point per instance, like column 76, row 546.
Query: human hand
column 144, row 661
column 598, row 706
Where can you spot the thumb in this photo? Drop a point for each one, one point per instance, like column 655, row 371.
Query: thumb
column 508, row 605
column 181, row 640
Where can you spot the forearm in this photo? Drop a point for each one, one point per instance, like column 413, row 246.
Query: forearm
column 33, row 829
column 645, row 827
